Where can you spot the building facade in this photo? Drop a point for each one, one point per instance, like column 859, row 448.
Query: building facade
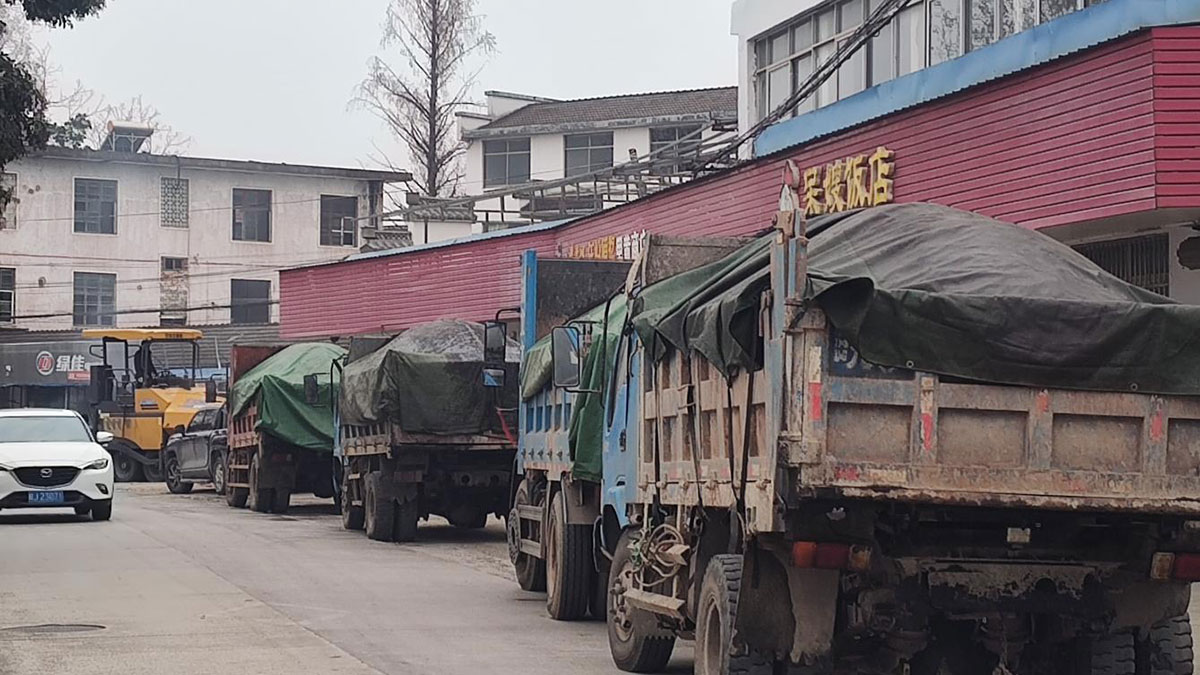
column 526, row 139
column 1085, row 127
column 102, row 238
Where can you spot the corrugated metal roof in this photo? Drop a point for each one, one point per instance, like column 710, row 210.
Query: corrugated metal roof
column 719, row 102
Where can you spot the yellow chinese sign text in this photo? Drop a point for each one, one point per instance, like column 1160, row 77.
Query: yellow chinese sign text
column 852, row 183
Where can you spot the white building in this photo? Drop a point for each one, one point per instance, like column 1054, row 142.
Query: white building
column 781, row 41
column 133, row 239
column 523, row 139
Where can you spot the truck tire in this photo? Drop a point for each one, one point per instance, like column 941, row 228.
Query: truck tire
column 568, row 564
column 715, row 618
column 407, row 515
column 1167, row 650
column 352, row 516
column 531, row 571
column 281, row 502
column 237, row 497
column 174, row 478
column 635, row 641
column 1112, row 654
column 380, row 514
column 259, row 498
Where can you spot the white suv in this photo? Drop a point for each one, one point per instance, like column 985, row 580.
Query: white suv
column 49, row 458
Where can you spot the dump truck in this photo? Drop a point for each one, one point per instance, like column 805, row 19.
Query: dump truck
column 144, row 390
column 557, row 500
column 905, row 439
column 280, row 424
column 426, row 427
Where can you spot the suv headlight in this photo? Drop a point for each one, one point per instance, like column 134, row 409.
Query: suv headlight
column 98, row 464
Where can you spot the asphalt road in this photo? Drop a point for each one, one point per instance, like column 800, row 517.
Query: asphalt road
column 183, row 584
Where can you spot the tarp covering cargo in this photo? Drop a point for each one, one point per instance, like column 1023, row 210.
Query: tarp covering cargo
column 428, row 380
column 277, row 386
column 928, row 288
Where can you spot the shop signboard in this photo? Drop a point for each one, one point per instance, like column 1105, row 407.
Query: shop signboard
column 46, row 363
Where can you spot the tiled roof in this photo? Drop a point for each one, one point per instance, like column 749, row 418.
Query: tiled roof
column 720, row 102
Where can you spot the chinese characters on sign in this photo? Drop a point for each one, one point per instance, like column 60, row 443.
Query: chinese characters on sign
column 852, row 183
column 612, row 247
column 74, row 365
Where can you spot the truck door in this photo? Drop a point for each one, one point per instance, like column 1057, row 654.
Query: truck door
column 621, row 437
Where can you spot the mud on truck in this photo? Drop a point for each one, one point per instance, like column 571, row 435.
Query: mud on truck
column 280, row 424
column 425, row 427
column 906, row 439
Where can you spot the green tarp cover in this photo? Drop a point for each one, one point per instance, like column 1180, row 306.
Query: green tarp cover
column 283, row 410
column 429, row 380
column 923, row 287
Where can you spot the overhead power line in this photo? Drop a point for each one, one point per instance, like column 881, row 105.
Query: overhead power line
column 155, row 310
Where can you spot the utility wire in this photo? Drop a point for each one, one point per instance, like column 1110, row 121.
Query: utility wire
column 155, row 310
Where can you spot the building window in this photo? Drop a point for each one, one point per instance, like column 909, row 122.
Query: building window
column 8, row 206
column 664, row 137
column 95, row 299
column 250, row 301
column 338, row 224
column 588, row 152
column 251, row 215
column 8, row 294
column 924, row 32
column 1141, row 261
column 95, row 206
column 173, row 202
column 505, row 162
column 174, row 264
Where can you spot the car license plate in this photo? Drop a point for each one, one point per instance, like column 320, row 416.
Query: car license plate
column 48, row 497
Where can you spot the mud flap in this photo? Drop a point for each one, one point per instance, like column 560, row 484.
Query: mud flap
column 786, row 612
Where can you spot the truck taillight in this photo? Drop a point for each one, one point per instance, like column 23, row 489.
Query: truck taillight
column 830, row 556
column 1176, row 566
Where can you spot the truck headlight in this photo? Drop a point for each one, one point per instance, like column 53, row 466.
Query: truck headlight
column 98, row 464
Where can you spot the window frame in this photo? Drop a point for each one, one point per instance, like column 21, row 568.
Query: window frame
column 678, row 130
column 508, row 154
column 187, row 203
column 589, row 149
column 75, row 204
column 236, row 210
column 247, row 305
column 100, row 314
column 166, row 270
column 11, row 299
column 339, row 230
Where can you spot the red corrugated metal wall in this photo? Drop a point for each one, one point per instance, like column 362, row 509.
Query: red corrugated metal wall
column 1177, row 115
column 1070, row 141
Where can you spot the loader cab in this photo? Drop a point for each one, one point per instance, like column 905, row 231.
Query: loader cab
column 137, row 359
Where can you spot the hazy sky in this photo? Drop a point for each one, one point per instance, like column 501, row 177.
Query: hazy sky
column 272, row 79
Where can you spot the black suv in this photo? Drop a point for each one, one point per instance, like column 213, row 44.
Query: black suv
column 197, row 454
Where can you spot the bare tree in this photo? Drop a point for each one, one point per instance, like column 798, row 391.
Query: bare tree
column 418, row 92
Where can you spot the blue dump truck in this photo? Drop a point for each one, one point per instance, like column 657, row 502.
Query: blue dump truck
column 907, row 439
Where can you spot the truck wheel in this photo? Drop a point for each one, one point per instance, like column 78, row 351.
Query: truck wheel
column 380, row 513
column 259, row 499
column 1168, row 648
column 531, row 571
column 352, row 516
column 1112, row 654
column 174, row 478
column 281, row 502
column 125, row 468
column 216, row 470
column 237, row 497
column 636, row 642
column 406, row 520
column 715, row 619
column 568, row 564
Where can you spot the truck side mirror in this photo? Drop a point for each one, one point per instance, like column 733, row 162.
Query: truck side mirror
column 312, row 392
column 495, row 341
column 210, row 391
column 564, row 350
